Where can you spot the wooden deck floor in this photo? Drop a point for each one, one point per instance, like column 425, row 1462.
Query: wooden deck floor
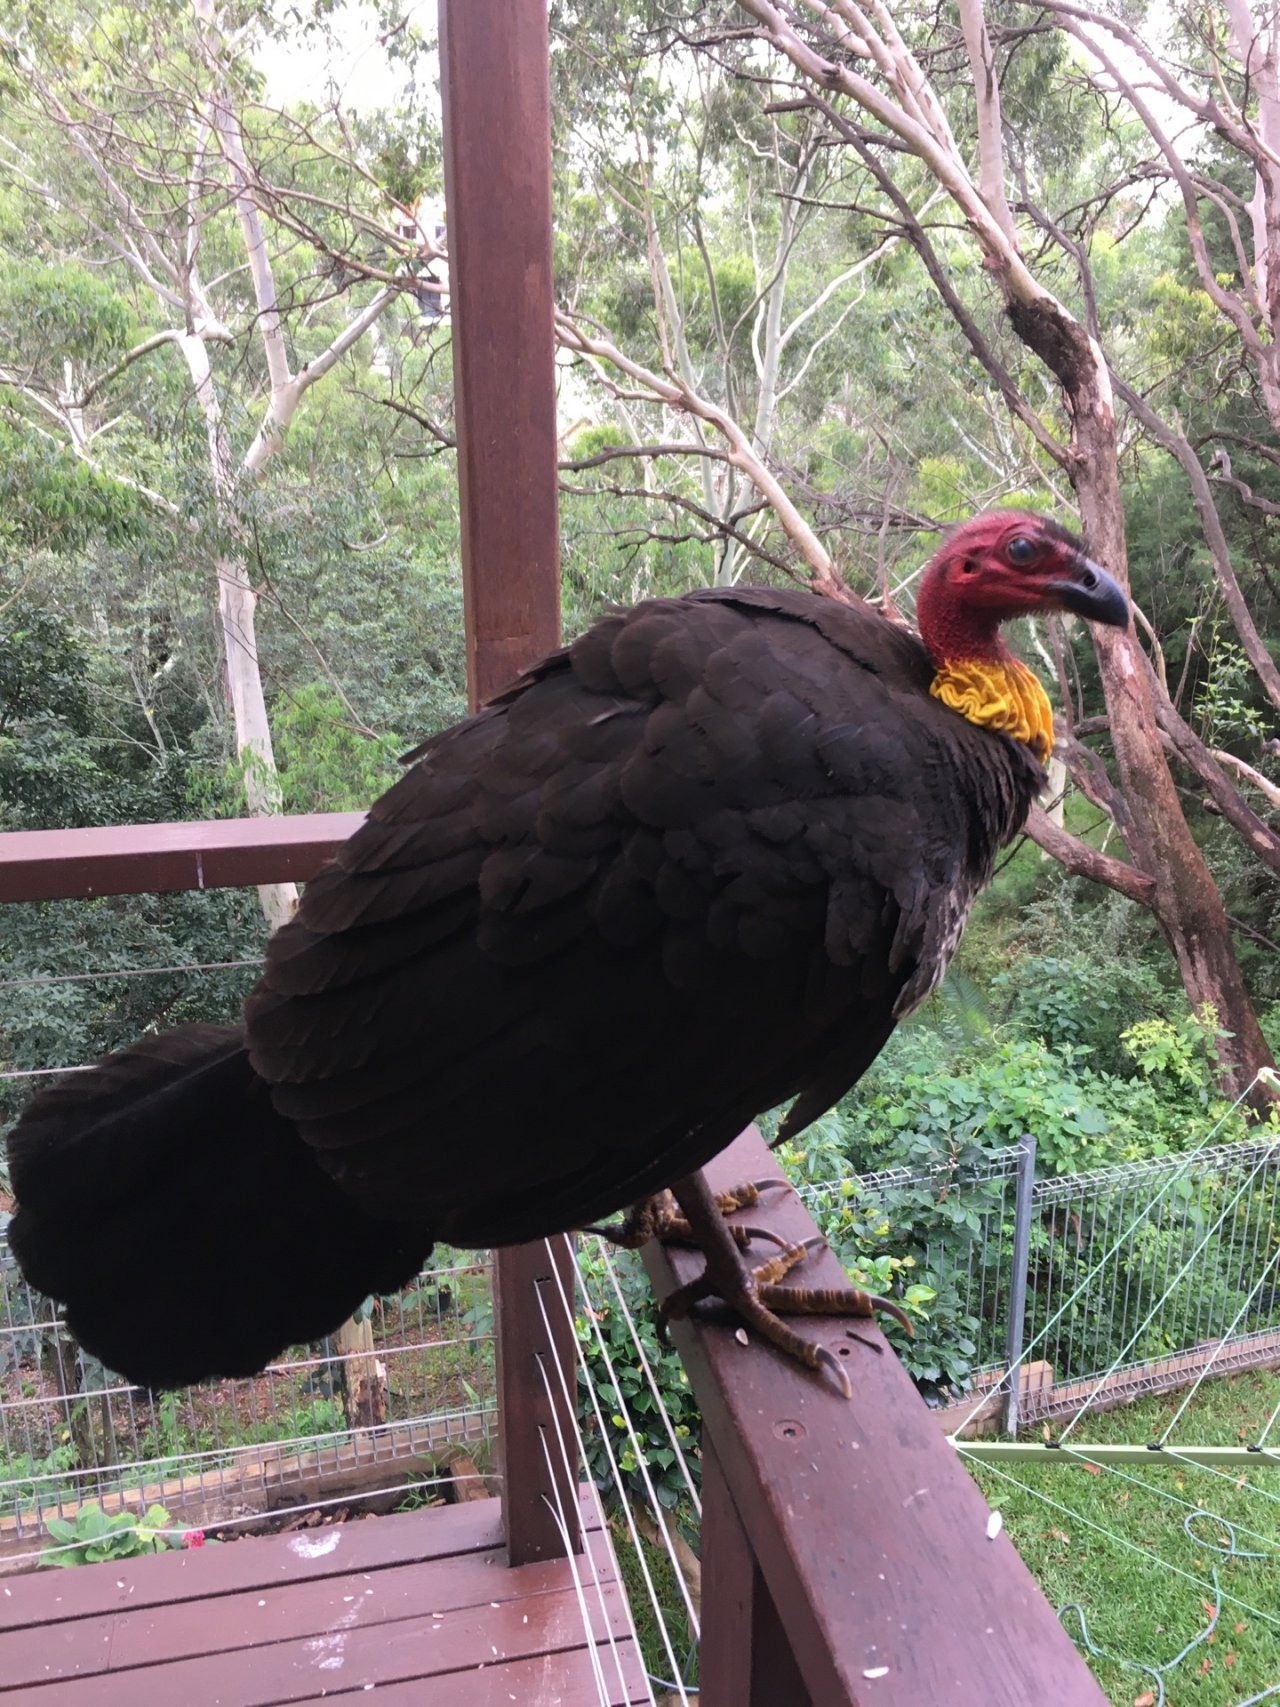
column 419, row 1607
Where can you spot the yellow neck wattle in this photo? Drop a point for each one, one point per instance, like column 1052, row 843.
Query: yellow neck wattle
column 998, row 693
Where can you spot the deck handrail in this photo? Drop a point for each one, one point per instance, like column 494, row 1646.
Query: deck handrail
column 848, row 1557
column 224, row 853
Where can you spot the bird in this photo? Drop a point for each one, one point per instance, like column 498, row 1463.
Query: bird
column 695, row 865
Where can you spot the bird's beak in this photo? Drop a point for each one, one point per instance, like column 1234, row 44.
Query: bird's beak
column 1090, row 592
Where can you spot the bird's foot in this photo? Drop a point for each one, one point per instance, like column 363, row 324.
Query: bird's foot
column 754, row 1294
column 659, row 1217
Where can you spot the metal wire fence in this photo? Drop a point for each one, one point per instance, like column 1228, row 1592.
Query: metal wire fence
column 1127, row 1279
column 71, row 1431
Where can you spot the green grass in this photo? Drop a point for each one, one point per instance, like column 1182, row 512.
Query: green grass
column 1114, row 1541
column 669, row 1596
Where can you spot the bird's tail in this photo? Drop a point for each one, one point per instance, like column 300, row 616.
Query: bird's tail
column 182, row 1222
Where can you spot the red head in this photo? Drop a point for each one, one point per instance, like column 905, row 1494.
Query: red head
column 1002, row 564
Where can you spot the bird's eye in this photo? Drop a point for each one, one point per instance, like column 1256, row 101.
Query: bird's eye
column 1020, row 551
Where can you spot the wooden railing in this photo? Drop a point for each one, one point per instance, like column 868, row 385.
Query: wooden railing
column 847, row 1556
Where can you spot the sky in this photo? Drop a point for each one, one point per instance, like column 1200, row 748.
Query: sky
column 354, row 61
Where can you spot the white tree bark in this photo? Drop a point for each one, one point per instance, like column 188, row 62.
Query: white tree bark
column 167, row 263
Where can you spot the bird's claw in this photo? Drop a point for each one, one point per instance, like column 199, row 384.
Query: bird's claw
column 657, row 1217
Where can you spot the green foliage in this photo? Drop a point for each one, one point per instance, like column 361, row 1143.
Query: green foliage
column 326, row 763
column 1228, row 702
column 65, row 312
column 943, row 1108
column 42, row 666
column 913, row 1242
column 51, row 499
column 1078, row 1000
column 65, row 761
column 626, row 1400
column 173, row 1433
column 27, row 1478
column 93, row 1536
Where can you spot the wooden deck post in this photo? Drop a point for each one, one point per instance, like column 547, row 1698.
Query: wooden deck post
column 858, row 1552
column 745, row 1658
column 497, row 159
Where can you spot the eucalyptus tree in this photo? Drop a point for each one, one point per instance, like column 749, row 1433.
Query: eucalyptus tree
column 698, row 292
column 902, row 114
column 251, row 248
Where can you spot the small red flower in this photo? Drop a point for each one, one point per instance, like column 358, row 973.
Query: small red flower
column 193, row 1538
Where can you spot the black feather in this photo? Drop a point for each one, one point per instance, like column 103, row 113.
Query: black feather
column 695, row 865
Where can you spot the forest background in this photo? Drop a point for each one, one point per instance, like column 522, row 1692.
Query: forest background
column 829, row 278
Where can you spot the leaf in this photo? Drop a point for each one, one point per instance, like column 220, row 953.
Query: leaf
column 1092, row 1469
column 92, row 1523
column 1146, row 1699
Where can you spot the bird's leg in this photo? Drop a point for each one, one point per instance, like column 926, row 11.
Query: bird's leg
column 657, row 1217
column 754, row 1294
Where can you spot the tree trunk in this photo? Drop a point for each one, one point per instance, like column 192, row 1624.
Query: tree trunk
column 1186, row 901
column 1056, row 795
column 237, row 605
column 364, row 1380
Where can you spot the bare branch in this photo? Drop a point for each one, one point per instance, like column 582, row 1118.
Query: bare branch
column 677, row 394
column 1253, row 777
column 1082, row 860
column 1175, row 442
column 612, row 452
column 1258, row 835
column 986, row 86
column 214, row 334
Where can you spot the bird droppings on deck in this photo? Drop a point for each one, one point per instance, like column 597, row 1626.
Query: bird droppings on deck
column 876, row 1671
column 329, row 1651
column 315, row 1546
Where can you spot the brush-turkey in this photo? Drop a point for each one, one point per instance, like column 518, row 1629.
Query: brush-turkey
column 697, row 864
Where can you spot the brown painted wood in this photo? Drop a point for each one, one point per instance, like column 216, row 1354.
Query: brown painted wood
column 274, row 1620
column 141, row 859
column 537, row 1389
column 497, row 162
column 870, row 1535
column 745, row 1658
column 567, row 1679
column 438, row 1590
column 349, row 1657
column 260, row 1561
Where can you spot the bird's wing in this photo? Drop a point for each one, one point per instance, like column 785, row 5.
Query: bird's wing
column 687, row 870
